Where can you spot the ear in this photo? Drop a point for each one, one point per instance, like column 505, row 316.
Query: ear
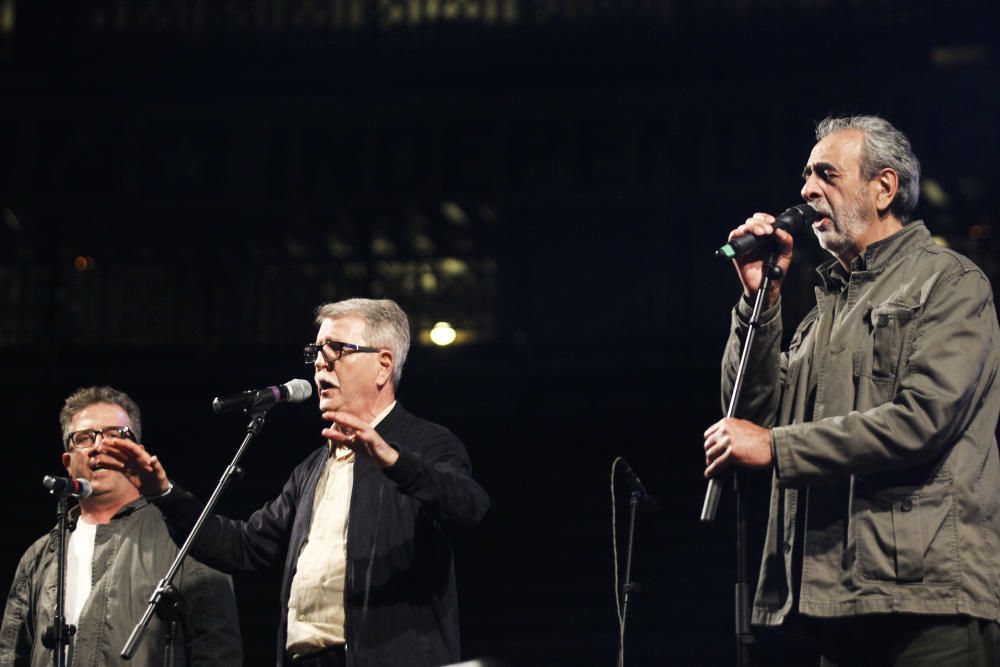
column 65, row 462
column 886, row 185
column 386, row 364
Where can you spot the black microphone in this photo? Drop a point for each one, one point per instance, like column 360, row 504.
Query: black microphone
column 66, row 487
column 647, row 501
column 293, row 391
column 792, row 221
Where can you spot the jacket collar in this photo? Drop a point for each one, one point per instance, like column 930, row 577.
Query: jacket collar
column 877, row 256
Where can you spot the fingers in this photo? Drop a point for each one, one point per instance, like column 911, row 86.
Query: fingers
column 713, row 429
column 716, row 459
column 759, row 224
column 121, row 454
column 346, row 427
column 718, row 447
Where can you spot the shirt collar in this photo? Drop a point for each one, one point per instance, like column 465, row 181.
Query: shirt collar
column 876, row 257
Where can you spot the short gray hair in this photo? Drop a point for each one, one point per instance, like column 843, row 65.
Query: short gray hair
column 87, row 396
column 386, row 326
column 883, row 146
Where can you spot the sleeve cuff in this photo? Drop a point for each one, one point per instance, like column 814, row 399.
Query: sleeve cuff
column 406, row 469
column 784, row 468
column 744, row 309
column 170, row 487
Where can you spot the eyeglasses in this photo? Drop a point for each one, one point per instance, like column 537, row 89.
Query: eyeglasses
column 87, row 438
column 332, row 350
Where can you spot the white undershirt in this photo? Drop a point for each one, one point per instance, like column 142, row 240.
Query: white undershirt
column 79, row 568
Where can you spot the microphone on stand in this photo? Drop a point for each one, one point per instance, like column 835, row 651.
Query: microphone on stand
column 793, row 220
column 646, row 501
column 293, row 391
column 67, row 487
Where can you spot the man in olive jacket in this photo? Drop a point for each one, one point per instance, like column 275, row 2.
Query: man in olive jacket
column 117, row 552
column 879, row 422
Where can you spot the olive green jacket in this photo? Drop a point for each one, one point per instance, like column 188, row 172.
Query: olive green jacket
column 883, row 415
column 131, row 555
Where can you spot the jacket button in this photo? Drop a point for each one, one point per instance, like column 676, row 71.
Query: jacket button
column 788, row 547
column 906, row 505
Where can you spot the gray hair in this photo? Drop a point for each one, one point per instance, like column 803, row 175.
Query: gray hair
column 87, row 396
column 386, row 326
column 883, row 146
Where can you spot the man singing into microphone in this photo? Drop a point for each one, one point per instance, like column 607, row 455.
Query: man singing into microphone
column 364, row 524
column 878, row 422
column 116, row 553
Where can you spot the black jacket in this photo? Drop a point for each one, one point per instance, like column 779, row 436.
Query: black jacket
column 400, row 600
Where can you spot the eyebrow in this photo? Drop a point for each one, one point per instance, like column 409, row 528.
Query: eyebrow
column 819, row 166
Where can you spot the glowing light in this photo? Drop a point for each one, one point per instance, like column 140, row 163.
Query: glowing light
column 443, row 334
column 979, row 231
column 82, row 263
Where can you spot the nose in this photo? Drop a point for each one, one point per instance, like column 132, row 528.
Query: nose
column 320, row 362
column 810, row 189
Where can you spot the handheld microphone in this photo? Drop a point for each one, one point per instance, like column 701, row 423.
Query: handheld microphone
column 792, row 221
column 293, row 391
column 647, row 501
column 67, row 487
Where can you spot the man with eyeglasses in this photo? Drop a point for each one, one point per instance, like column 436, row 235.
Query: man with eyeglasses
column 364, row 525
column 117, row 551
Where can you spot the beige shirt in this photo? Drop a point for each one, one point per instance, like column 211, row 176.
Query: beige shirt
column 316, row 599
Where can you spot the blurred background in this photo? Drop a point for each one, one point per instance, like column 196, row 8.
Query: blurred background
column 183, row 181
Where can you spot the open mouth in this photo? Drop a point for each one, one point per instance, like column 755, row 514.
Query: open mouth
column 326, row 384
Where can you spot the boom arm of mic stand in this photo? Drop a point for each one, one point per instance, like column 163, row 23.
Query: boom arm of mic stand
column 771, row 272
column 232, row 470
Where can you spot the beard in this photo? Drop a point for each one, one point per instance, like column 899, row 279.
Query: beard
column 841, row 238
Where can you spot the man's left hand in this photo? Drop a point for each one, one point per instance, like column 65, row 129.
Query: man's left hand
column 736, row 441
column 356, row 433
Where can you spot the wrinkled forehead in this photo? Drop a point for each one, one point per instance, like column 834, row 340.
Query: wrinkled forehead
column 99, row 415
column 841, row 149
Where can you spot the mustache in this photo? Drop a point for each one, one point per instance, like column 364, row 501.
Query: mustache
column 822, row 210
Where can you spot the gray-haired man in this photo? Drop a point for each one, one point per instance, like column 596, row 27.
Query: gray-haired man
column 878, row 422
column 364, row 524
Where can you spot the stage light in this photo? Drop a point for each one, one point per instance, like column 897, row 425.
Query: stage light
column 443, row 334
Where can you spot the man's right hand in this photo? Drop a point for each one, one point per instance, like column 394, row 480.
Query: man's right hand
column 750, row 266
column 131, row 459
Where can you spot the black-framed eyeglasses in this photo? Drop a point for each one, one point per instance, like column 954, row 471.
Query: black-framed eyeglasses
column 332, row 350
column 87, row 438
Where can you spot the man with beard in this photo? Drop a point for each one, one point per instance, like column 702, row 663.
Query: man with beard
column 878, row 422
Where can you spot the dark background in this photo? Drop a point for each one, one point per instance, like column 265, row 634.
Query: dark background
column 182, row 182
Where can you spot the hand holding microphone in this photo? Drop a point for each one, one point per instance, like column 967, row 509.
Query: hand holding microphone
column 750, row 242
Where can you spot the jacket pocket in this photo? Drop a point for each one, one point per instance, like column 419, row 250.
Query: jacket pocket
column 908, row 535
column 890, row 329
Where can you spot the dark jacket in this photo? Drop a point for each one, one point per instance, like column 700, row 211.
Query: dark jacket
column 131, row 555
column 886, row 494
column 400, row 600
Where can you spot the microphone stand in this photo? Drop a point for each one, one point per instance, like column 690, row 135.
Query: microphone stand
column 165, row 593
column 744, row 634
column 628, row 586
column 58, row 635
